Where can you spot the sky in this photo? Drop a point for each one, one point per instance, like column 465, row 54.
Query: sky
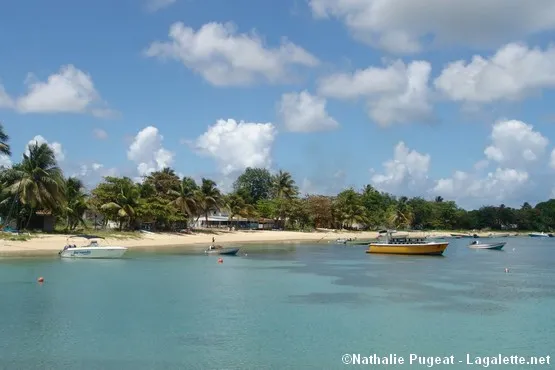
column 418, row 98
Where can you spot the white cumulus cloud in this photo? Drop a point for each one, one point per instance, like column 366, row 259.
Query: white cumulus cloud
column 396, row 93
column 148, row 153
column 224, row 57
column 514, row 72
column 70, row 90
column 303, row 112
column 519, row 154
column 237, row 145
column 515, row 144
column 406, row 172
column 403, row 26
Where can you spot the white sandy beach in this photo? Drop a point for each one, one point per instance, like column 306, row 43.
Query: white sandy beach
column 45, row 245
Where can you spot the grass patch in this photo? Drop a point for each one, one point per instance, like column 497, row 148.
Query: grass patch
column 114, row 234
column 15, row 237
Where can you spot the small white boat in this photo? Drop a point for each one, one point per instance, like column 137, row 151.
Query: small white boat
column 538, row 235
column 91, row 250
column 218, row 249
column 477, row 245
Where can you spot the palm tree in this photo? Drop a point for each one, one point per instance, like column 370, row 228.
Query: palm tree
column 186, row 197
column 76, row 199
column 284, row 190
column 37, row 181
column 4, row 138
column 400, row 215
column 238, row 207
column 348, row 208
column 209, row 198
column 126, row 203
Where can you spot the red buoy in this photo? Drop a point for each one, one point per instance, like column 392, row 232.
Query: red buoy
column 40, row 280
column 220, row 260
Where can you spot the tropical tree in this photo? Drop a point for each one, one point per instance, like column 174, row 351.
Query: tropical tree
column 284, row 190
column 320, row 209
column 119, row 199
column 38, row 182
column 237, row 206
column 4, row 138
column 400, row 215
column 163, row 182
column 254, row 184
column 348, row 208
column 186, row 197
column 209, row 198
column 76, row 202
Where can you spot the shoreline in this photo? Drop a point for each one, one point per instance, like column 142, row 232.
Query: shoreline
column 48, row 245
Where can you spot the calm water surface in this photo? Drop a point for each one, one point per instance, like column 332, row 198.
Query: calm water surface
column 278, row 307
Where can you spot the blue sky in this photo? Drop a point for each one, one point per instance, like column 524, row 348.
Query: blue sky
column 413, row 97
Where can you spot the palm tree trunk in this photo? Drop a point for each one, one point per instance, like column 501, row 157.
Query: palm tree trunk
column 29, row 219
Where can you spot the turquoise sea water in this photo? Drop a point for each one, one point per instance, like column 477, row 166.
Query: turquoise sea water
column 278, row 307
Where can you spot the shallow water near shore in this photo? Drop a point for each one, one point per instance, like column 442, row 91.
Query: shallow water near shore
column 283, row 306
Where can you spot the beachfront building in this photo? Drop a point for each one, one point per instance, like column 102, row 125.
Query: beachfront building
column 221, row 220
column 42, row 220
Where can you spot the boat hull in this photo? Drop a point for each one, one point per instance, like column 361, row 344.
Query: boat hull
column 429, row 249
column 224, row 251
column 534, row 235
column 94, row 252
column 493, row 246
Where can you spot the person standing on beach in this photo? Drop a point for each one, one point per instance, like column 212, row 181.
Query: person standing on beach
column 213, row 240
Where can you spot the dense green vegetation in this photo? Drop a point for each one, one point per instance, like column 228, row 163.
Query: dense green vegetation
column 168, row 202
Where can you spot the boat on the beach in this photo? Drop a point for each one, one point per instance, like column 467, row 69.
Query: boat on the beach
column 538, row 235
column 405, row 244
column 456, row 235
column 352, row 241
column 91, row 250
column 218, row 249
column 495, row 246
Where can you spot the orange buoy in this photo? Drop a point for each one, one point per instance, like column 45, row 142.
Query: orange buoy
column 220, row 260
column 40, row 280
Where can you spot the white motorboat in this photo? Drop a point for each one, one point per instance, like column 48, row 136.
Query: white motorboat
column 477, row 245
column 91, row 250
column 539, row 235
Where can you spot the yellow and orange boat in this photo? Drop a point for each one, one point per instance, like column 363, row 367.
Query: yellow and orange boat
column 405, row 244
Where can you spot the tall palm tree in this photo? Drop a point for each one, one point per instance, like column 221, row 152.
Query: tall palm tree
column 76, row 199
column 284, row 185
column 209, row 197
column 284, row 190
column 186, row 197
column 126, row 203
column 237, row 206
column 37, row 181
column 4, row 138
column 400, row 215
